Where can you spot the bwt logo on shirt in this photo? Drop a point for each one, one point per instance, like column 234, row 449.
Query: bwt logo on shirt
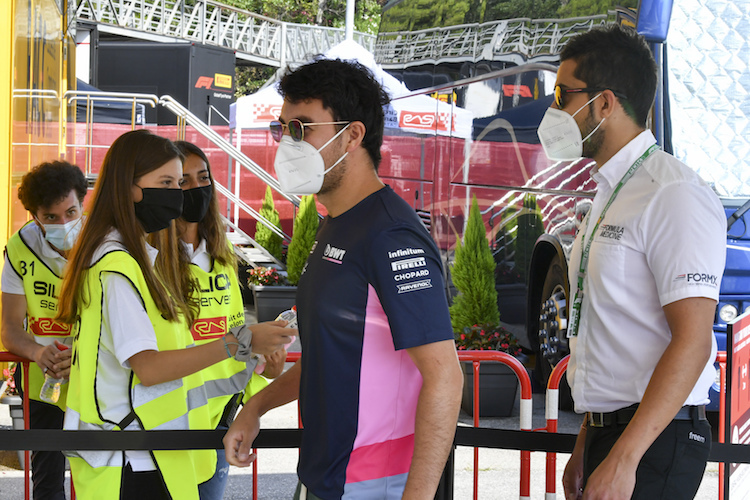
column 698, row 279
column 400, row 265
column 334, row 254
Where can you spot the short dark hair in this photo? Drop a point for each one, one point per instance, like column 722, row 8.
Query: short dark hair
column 49, row 183
column 346, row 88
column 619, row 59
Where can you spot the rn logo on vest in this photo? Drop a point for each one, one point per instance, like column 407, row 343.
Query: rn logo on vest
column 48, row 327
column 209, row 328
column 333, row 254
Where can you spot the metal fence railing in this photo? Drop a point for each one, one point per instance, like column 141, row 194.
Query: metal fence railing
column 254, row 37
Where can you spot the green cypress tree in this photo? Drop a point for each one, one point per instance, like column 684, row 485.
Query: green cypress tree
column 303, row 237
column 473, row 273
column 263, row 235
column 530, row 228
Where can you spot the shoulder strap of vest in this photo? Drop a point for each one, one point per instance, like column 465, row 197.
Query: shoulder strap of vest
column 130, row 416
column 109, row 253
column 122, row 424
column 10, row 262
column 135, row 288
column 38, row 257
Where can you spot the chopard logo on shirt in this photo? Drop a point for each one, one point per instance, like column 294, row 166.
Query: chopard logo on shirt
column 333, row 254
column 612, row 232
column 698, row 279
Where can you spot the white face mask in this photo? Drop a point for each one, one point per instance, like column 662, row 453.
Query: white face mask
column 300, row 167
column 560, row 136
column 63, row 236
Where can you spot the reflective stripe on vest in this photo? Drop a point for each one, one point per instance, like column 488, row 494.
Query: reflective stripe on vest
column 162, row 406
column 41, row 286
column 221, row 309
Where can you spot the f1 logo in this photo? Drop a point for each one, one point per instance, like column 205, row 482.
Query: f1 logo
column 204, row 82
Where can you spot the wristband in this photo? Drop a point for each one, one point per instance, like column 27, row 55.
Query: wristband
column 227, row 344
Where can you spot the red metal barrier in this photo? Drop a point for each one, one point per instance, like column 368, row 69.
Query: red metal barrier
column 6, row 357
column 721, row 358
column 552, row 406
column 526, row 408
column 476, row 357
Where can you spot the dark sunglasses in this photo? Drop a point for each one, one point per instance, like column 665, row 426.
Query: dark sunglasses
column 560, row 93
column 296, row 128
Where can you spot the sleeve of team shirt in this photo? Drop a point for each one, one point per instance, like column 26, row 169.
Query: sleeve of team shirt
column 127, row 329
column 407, row 274
column 686, row 228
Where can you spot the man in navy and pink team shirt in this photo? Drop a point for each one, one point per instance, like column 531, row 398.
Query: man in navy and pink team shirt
column 379, row 381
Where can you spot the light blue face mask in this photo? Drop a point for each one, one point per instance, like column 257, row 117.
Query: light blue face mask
column 63, row 236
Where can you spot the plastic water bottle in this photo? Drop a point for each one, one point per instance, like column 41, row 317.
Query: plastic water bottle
column 50, row 392
column 290, row 316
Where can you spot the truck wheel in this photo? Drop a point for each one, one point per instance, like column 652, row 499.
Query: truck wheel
column 553, row 322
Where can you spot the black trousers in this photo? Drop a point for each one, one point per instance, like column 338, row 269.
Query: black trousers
column 147, row 485
column 47, row 467
column 671, row 469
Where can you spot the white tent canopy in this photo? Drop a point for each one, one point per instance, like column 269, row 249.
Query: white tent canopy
column 419, row 114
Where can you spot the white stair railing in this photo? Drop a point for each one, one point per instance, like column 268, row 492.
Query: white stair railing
column 185, row 117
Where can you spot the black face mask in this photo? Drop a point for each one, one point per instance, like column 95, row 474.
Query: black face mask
column 158, row 208
column 196, row 203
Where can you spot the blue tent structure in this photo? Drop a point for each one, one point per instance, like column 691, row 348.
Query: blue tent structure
column 524, row 119
column 108, row 112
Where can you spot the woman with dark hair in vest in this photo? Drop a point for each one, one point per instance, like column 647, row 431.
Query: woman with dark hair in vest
column 214, row 268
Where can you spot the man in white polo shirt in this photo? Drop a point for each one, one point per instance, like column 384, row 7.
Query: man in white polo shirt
column 644, row 272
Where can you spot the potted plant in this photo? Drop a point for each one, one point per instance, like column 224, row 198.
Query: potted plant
column 473, row 274
column 264, row 236
column 303, row 237
column 516, row 237
column 475, row 320
column 498, row 384
column 273, row 296
column 271, row 292
column 9, row 396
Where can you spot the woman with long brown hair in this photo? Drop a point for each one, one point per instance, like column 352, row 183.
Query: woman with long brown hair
column 129, row 300
column 214, row 268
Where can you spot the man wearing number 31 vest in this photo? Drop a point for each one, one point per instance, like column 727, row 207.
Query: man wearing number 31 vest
column 34, row 259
